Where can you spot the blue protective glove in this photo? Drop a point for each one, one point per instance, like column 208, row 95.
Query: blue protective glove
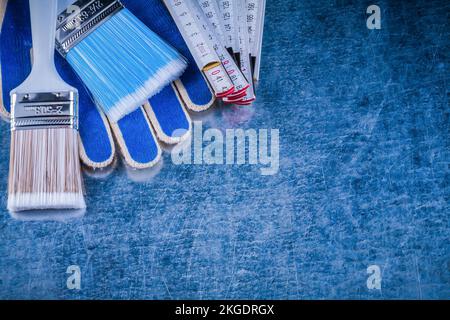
column 164, row 116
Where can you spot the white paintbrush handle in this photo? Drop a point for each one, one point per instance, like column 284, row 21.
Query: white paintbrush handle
column 43, row 76
column 43, row 28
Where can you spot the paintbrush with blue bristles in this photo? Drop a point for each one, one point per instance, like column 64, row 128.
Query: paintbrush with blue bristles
column 119, row 59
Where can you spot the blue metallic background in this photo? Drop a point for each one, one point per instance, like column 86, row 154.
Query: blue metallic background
column 364, row 179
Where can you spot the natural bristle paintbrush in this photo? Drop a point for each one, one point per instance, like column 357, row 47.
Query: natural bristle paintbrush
column 44, row 165
column 120, row 60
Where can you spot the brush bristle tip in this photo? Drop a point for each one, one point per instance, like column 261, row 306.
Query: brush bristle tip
column 45, row 170
column 34, row 201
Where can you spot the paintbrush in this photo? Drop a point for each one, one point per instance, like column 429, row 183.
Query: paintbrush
column 44, row 165
column 120, row 60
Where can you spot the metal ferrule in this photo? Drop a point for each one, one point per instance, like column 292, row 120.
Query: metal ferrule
column 80, row 19
column 44, row 110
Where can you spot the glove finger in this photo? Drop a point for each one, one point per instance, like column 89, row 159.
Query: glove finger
column 136, row 140
column 168, row 116
column 192, row 86
column 97, row 147
column 194, row 90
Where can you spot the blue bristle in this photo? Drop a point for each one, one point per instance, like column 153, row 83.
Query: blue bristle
column 123, row 63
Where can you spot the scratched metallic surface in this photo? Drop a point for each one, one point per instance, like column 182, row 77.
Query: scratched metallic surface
column 364, row 180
